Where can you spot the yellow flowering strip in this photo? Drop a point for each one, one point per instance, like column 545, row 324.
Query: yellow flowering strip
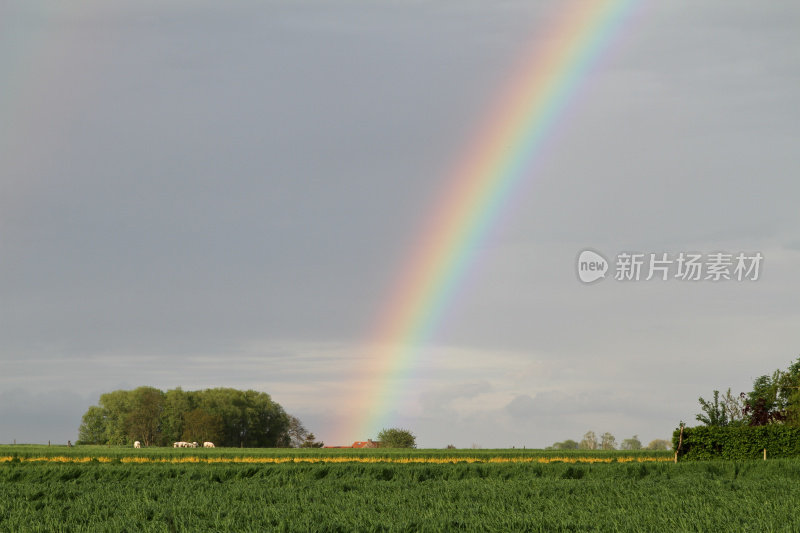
column 341, row 459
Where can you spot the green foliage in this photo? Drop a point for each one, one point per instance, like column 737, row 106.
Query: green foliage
column 774, row 399
column 200, row 426
column 227, row 417
column 568, row 444
column 766, row 403
column 658, row 444
column 143, row 420
column 397, row 438
column 715, row 414
column 93, row 427
column 631, row 444
column 589, row 441
column 738, row 442
column 608, row 441
column 310, row 442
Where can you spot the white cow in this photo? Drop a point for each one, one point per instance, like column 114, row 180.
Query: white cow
column 137, row 444
column 182, row 444
column 208, row 445
column 193, row 445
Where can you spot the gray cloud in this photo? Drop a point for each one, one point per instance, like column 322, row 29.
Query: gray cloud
column 203, row 195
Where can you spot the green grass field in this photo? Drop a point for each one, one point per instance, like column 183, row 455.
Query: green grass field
column 48, row 495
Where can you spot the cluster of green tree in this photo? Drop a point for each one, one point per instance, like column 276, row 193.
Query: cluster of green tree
column 396, row 438
column 226, row 417
column 774, row 399
column 607, row 441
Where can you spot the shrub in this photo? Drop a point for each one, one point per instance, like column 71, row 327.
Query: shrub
column 737, row 442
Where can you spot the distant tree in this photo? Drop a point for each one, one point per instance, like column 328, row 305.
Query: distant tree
column 568, row 444
column 451, row 447
column 607, row 441
column 310, row 442
column 589, row 441
column 632, row 443
column 297, row 432
column 397, row 438
column 659, row 444
column 237, row 418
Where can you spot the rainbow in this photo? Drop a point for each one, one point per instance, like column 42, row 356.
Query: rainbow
column 496, row 164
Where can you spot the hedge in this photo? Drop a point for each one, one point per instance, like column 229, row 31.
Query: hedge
column 737, row 442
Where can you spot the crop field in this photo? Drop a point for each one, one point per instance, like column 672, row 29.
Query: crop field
column 107, row 489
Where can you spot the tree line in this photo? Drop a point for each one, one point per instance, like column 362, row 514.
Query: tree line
column 774, row 399
column 607, row 441
column 227, row 417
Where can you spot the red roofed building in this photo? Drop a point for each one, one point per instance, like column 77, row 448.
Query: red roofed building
column 369, row 443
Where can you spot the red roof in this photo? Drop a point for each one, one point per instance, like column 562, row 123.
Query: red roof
column 369, row 443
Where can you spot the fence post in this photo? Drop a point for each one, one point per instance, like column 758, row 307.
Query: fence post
column 765, row 454
column 680, row 442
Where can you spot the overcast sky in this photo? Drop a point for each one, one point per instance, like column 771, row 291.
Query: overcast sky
column 207, row 194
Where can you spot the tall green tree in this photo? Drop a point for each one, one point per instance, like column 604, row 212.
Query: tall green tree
column 143, row 420
column 176, row 404
column 93, row 426
column 117, row 406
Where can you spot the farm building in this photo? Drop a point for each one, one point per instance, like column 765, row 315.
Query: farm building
column 369, row 443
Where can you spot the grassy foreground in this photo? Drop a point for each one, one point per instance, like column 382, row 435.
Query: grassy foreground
column 44, row 495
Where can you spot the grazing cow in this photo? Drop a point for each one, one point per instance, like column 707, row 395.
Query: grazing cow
column 182, row 444
column 194, row 445
column 208, row 445
column 137, row 444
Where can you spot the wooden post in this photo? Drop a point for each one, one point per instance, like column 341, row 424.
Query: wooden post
column 680, row 442
column 765, row 454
